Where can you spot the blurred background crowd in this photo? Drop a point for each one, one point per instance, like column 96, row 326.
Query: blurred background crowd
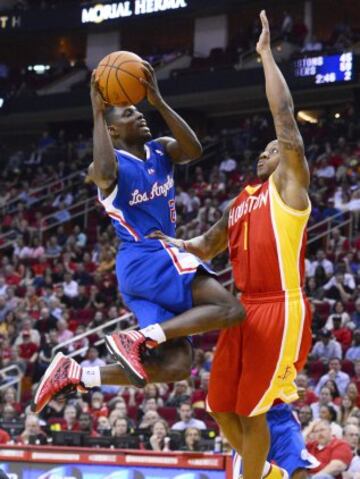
column 58, row 289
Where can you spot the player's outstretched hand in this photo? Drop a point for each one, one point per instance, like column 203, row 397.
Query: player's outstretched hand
column 167, row 239
column 152, row 88
column 263, row 43
column 97, row 101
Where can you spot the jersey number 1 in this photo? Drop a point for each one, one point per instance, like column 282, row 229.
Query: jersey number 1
column 172, row 211
column 246, row 234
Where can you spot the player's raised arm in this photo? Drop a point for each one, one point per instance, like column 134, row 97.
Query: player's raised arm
column 185, row 146
column 206, row 246
column 293, row 165
column 103, row 169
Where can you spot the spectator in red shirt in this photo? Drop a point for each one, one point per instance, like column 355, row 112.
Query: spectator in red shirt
column 40, row 267
column 89, row 265
column 97, row 406
column 306, row 395
column 11, row 276
column 4, row 437
column 334, row 454
column 342, row 334
column 27, row 349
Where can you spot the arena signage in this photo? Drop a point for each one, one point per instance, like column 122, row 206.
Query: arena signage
column 103, row 12
column 9, row 21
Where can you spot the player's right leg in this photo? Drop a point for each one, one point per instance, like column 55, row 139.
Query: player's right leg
column 231, row 426
column 65, row 375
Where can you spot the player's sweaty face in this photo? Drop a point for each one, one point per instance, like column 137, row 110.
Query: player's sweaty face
column 130, row 125
column 268, row 161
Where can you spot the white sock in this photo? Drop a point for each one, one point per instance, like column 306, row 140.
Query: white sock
column 155, row 332
column 266, row 469
column 90, row 377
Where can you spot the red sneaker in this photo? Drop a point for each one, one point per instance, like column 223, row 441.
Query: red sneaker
column 62, row 374
column 126, row 347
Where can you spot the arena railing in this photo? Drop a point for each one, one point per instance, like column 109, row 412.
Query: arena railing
column 44, row 191
column 328, row 225
column 12, row 380
column 79, row 209
column 98, row 329
column 8, row 237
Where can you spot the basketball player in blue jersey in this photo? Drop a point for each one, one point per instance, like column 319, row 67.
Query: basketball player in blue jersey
column 170, row 291
column 287, row 446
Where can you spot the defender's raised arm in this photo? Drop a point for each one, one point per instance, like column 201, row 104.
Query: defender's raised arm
column 293, row 165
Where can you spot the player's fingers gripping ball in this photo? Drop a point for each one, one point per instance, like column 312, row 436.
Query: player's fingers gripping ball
column 118, row 78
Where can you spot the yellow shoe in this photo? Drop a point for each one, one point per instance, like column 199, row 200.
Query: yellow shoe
column 276, row 472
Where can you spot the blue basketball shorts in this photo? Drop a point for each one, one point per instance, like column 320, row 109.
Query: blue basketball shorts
column 287, row 448
column 155, row 279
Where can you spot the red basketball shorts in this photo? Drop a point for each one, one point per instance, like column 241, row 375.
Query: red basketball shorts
column 255, row 364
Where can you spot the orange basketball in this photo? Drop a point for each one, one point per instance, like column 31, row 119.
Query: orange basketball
column 118, row 78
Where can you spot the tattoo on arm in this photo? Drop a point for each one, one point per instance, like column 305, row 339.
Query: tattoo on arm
column 287, row 130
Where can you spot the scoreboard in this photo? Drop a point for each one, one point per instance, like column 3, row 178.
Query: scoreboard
column 325, row 69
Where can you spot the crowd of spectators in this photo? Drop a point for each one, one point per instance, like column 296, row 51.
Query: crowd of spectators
column 58, row 282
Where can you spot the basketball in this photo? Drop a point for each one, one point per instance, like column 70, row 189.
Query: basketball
column 118, row 78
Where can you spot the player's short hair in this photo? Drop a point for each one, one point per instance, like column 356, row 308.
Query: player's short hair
column 110, row 115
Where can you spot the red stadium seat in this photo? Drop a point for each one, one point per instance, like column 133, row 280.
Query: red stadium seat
column 169, row 414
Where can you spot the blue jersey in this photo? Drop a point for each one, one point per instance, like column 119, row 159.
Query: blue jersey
column 154, row 278
column 143, row 199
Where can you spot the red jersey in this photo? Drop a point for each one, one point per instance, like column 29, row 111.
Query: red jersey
column 260, row 357
column 267, row 241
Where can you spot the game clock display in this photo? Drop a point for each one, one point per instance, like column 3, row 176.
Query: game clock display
column 326, row 69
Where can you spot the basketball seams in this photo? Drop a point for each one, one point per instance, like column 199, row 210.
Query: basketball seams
column 122, row 63
column 105, row 66
column 107, row 80
column 122, row 88
column 108, row 61
column 113, row 62
column 123, row 70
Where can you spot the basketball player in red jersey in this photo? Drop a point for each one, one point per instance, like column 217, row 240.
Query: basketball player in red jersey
column 255, row 363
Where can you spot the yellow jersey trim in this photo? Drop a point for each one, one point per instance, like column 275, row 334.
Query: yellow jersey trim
column 286, row 207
